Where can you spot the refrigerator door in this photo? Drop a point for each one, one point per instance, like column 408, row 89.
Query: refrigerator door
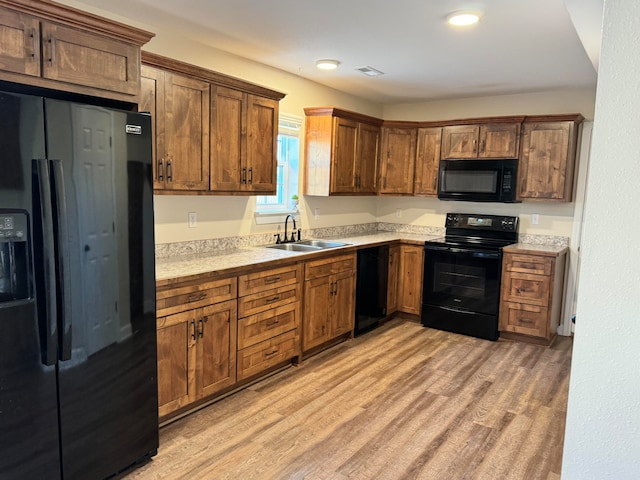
column 29, row 446
column 102, row 184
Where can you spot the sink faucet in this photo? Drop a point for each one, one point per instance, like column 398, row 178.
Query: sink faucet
column 286, row 222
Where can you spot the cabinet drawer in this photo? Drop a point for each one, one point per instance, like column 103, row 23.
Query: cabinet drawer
column 524, row 319
column 266, row 354
column 268, row 279
column 528, row 264
column 525, row 288
column 263, row 301
column 180, row 299
column 329, row 266
column 263, row 326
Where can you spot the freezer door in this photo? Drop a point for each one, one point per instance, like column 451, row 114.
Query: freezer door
column 102, row 183
column 29, row 445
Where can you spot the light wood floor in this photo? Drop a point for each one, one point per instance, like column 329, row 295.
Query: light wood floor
column 402, row 402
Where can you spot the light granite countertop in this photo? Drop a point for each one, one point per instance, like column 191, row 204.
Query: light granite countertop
column 189, row 265
column 222, row 261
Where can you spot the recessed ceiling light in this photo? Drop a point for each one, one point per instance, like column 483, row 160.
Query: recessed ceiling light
column 464, row 18
column 327, row 64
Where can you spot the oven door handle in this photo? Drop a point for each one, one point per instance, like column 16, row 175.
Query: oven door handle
column 473, row 253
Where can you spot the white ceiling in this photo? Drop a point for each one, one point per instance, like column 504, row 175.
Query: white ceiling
column 519, row 46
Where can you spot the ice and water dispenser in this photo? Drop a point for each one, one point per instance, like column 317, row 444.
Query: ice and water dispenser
column 14, row 256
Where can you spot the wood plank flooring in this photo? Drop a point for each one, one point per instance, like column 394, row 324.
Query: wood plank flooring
column 402, row 402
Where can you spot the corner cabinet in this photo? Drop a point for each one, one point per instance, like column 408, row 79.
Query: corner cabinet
column 196, row 331
column 398, row 160
column 531, row 294
column 49, row 45
column 214, row 134
column 329, row 300
column 427, row 162
column 179, row 106
column 547, row 157
column 341, row 152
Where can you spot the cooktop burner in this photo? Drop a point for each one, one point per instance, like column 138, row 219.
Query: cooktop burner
column 483, row 231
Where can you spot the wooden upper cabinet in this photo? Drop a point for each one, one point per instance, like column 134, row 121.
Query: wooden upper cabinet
column 489, row 140
column 341, row 152
column 262, row 145
column 20, row 47
column 54, row 46
column 427, row 161
column 547, row 158
column 397, row 161
column 244, row 131
column 212, row 134
column 181, row 107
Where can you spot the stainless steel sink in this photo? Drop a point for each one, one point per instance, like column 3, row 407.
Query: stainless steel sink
column 295, row 247
column 307, row 245
column 322, row 243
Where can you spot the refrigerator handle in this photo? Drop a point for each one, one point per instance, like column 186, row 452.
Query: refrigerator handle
column 48, row 320
column 64, row 261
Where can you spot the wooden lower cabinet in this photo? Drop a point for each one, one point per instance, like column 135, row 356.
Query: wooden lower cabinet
column 329, row 299
column 392, row 279
column 531, row 295
column 196, row 354
column 269, row 319
column 410, row 279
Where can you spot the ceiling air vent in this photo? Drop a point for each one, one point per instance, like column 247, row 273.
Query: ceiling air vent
column 370, row 71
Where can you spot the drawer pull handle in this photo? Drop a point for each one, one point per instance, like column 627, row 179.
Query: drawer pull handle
column 196, row 297
column 272, row 280
column 273, row 324
column 272, row 353
column 526, row 320
column 274, row 299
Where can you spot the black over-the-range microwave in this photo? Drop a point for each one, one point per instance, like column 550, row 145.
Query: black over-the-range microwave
column 478, row 180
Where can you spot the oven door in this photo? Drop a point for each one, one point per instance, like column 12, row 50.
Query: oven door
column 462, row 279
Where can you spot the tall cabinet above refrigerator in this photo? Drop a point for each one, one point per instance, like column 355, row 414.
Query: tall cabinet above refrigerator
column 78, row 388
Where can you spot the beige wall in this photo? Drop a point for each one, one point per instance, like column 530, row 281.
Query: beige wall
column 229, row 216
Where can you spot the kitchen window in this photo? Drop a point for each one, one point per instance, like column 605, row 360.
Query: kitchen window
column 285, row 199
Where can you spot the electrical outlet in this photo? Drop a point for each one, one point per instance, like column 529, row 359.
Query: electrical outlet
column 192, row 219
column 535, row 219
column 398, row 213
column 316, row 213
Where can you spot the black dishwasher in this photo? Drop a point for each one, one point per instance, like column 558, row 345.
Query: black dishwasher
column 371, row 288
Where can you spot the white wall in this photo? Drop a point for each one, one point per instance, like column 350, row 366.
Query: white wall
column 603, row 422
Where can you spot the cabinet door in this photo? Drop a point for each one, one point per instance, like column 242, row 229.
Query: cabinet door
column 82, row 58
column 152, row 101
column 20, row 34
column 316, row 316
column 398, row 160
column 411, row 272
column 217, row 330
column 186, row 138
column 392, row 285
column 460, row 141
column 343, row 166
column 499, row 140
column 427, row 161
column 367, row 158
column 343, row 305
column 228, row 144
column 546, row 163
column 262, row 143
column 177, row 336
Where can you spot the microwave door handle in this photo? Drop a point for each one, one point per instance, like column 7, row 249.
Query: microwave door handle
column 64, row 262
column 47, row 313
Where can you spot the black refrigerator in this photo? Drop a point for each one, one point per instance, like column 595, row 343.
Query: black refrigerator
column 78, row 378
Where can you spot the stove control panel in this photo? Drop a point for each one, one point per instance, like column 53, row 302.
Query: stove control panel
column 495, row 223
